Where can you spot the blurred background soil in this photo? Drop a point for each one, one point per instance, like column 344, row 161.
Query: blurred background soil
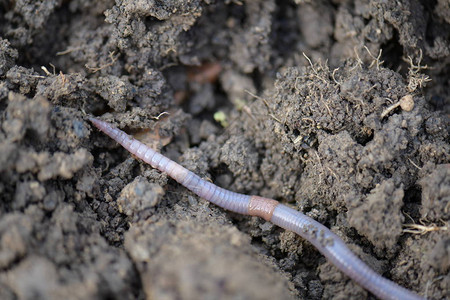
column 282, row 99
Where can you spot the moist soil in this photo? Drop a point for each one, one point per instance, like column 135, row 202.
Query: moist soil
column 283, row 99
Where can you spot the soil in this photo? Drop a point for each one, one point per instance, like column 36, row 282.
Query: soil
column 282, row 99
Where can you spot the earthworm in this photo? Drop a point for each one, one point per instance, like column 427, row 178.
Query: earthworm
column 328, row 243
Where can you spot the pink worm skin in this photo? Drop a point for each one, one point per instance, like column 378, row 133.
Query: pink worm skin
column 328, row 243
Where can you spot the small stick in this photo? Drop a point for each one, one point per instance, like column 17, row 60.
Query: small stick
column 328, row 243
column 406, row 103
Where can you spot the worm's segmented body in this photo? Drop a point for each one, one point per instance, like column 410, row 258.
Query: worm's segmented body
column 328, row 243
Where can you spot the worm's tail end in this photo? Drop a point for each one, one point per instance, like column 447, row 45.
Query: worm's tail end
column 98, row 123
column 106, row 128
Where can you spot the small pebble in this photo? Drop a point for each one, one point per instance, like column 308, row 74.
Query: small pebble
column 407, row 103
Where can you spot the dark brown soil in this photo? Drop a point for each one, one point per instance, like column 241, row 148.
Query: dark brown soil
column 224, row 88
